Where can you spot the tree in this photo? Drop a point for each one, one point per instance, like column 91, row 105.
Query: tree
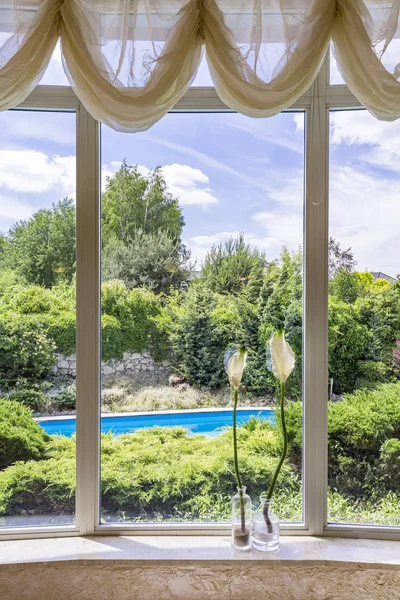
column 347, row 341
column 152, row 260
column 43, row 248
column 283, row 284
column 133, row 201
column 345, row 285
column 339, row 259
column 232, row 266
column 396, row 359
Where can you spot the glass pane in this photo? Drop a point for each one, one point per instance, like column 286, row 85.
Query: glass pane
column 364, row 320
column 37, row 318
column 54, row 74
column 202, row 220
column 335, row 77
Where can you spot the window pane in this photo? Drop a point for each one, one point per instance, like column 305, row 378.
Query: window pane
column 37, row 318
column 364, row 320
column 202, row 220
column 335, row 77
column 54, row 74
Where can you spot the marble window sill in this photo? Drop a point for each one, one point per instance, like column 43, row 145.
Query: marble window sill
column 197, row 568
column 293, row 549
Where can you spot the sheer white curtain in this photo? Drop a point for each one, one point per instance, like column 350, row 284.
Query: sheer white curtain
column 367, row 49
column 131, row 60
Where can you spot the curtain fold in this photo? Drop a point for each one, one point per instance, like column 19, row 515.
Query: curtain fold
column 130, row 61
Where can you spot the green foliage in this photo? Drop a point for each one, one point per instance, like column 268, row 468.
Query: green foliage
column 66, row 399
column 133, row 202
column 21, row 439
column 282, row 285
column 25, row 349
column 30, row 397
column 156, row 261
column 129, row 321
column 371, row 373
column 348, row 339
column 157, row 473
column 379, row 310
column 339, row 258
column 233, row 265
column 359, row 429
column 345, row 285
column 204, row 327
column 44, row 487
column 42, row 249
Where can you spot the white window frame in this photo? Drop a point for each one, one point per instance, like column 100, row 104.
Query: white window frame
column 316, row 104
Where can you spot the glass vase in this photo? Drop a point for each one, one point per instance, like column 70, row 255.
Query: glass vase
column 266, row 528
column 241, row 520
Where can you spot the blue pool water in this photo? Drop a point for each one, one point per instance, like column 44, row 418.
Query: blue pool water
column 205, row 422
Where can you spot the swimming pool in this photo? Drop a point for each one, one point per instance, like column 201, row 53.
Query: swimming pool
column 208, row 422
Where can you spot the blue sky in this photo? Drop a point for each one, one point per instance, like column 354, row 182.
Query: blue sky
column 231, row 173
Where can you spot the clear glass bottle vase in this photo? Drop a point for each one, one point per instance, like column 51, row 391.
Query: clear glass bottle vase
column 241, row 520
column 266, row 527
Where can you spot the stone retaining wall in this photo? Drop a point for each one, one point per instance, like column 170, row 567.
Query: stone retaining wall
column 140, row 365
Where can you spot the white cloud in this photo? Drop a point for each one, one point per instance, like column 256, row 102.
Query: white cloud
column 381, row 140
column 30, row 171
column 282, row 228
column 108, row 171
column 365, row 215
column 187, row 184
column 12, row 210
column 364, row 200
column 299, row 121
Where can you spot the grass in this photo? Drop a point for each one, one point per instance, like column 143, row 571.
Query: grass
column 124, row 394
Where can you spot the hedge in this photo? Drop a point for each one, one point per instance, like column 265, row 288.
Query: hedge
column 154, row 474
column 21, row 439
column 40, row 322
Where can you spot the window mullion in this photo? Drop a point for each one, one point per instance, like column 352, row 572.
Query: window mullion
column 316, row 310
column 88, row 322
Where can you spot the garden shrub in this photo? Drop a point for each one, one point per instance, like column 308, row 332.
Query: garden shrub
column 65, row 399
column 32, row 398
column 371, row 373
column 25, row 349
column 33, row 299
column 21, row 439
column 359, row 428
column 155, row 473
column 111, row 338
column 136, row 312
column 390, row 463
column 45, row 487
column 62, row 329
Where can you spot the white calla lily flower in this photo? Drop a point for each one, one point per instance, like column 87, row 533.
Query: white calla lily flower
column 235, row 363
column 282, row 356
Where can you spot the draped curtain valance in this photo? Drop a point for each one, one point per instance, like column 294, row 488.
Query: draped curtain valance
column 131, row 60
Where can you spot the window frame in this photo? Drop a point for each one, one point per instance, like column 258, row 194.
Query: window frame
column 316, row 104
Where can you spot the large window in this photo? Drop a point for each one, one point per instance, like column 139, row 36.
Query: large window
column 115, row 412
column 37, row 318
column 202, row 235
column 364, row 321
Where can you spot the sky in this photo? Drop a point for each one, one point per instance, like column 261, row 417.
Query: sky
column 232, row 174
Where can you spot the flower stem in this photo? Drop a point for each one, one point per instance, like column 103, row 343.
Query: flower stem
column 281, row 460
column 235, row 457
